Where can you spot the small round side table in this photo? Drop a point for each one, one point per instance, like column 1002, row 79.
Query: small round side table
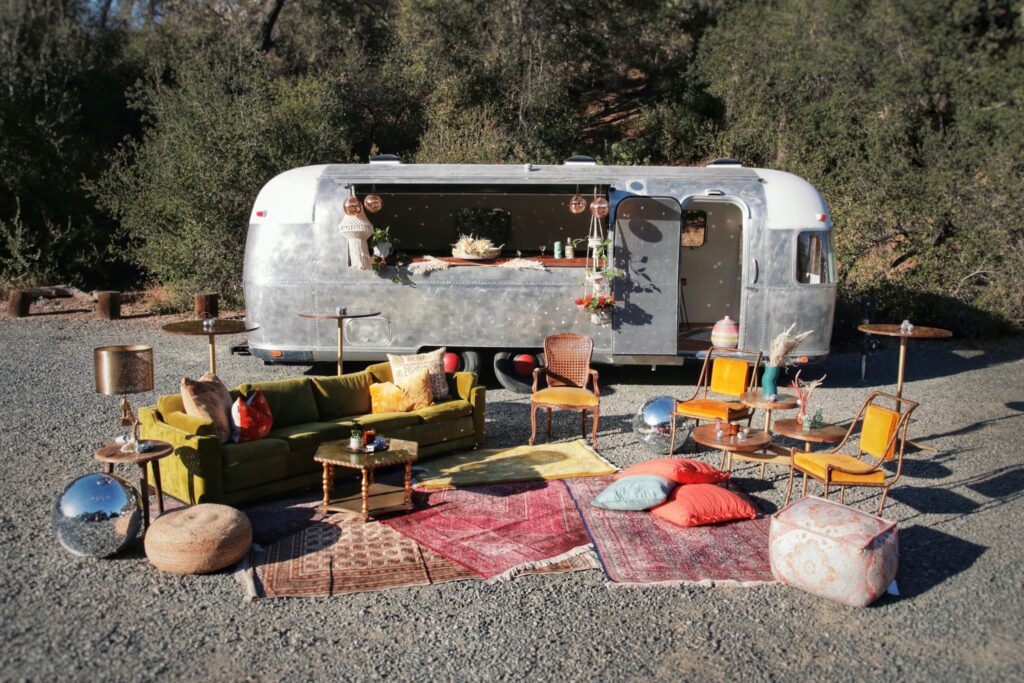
column 111, row 455
column 795, row 430
column 731, row 446
column 756, row 399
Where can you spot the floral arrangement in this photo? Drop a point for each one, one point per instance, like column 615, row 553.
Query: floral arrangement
column 784, row 344
column 475, row 247
column 803, row 390
column 593, row 304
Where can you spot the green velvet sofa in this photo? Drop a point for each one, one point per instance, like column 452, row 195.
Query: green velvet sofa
column 307, row 411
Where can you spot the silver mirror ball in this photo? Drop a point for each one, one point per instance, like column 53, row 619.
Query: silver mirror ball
column 652, row 424
column 97, row 515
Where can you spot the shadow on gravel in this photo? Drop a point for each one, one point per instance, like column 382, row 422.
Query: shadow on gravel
column 928, row 500
column 1006, row 484
column 929, row 557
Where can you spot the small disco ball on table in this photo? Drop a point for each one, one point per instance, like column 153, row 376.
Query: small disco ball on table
column 97, row 515
column 653, row 424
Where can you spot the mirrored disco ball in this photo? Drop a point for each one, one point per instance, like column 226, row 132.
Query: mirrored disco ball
column 97, row 515
column 653, row 424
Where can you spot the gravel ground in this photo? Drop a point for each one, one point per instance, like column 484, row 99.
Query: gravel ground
column 960, row 512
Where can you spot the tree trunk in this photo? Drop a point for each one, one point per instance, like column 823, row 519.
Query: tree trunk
column 108, row 305
column 18, row 303
column 207, row 305
column 271, row 9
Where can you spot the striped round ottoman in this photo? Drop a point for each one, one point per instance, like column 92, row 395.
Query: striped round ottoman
column 199, row 539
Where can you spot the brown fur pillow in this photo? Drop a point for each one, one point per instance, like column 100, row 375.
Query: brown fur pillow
column 208, row 398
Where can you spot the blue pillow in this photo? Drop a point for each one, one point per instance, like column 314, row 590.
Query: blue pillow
column 637, row 492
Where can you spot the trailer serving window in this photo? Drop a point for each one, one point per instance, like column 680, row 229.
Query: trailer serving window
column 815, row 264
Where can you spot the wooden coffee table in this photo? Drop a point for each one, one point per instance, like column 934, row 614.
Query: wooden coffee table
column 795, row 430
column 336, row 454
column 733, row 446
column 111, row 455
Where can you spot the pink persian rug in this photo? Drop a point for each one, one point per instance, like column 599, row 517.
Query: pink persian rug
column 497, row 531
column 637, row 549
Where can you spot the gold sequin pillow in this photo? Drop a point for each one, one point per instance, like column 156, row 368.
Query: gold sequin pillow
column 404, row 367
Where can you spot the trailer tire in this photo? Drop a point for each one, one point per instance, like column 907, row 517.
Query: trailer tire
column 467, row 361
column 505, row 371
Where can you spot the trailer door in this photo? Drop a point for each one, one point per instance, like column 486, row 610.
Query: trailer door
column 646, row 250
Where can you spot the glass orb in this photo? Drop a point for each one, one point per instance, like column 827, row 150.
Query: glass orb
column 599, row 207
column 652, row 424
column 577, row 204
column 372, row 203
column 97, row 515
column 352, row 206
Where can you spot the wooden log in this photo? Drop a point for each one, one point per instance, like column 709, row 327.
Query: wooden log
column 108, row 305
column 207, row 305
column 18, row 303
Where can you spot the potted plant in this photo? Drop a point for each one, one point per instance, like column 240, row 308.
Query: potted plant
column 778, row 353
column 571, row 246
column 599, row 306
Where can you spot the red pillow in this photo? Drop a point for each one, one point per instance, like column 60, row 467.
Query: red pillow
column 251, row 418
column 700, row 504
column 679, row 471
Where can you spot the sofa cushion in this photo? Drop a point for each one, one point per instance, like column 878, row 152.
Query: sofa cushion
column 250, row 452
column 208, row 398
column 170, row 403
column 199, row 426
column 449, row 410
column 291, row 400
column 385, row 421
column 310, row 435
column 342, row 395
column 434, row 432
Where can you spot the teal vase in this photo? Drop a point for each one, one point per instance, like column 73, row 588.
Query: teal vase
column 769, row 380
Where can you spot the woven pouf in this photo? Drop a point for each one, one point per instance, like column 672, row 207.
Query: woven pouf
column 199, row 539
column 833, row 551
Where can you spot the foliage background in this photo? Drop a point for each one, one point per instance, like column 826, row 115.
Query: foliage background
column 135, row 134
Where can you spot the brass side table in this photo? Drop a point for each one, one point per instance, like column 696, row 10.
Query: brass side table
column 111, row 455
column 336, row 454
column 340, row 317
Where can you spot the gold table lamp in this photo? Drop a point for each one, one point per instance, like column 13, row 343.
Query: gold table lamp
column 125, row 370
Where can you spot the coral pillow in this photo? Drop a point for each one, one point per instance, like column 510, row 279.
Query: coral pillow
column 250, row 418
column 679, row 471
column 403, row 367
column 700, row 504
column 386, row 397
column 638, row 492
column 208, row 398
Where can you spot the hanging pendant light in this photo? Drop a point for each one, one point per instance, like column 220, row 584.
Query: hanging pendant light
column 372, row 203
column 577, row 203
column 352, row 206
column 599, row 207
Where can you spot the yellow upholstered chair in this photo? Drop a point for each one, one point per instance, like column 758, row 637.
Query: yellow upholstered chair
column 728, row 373
column 567, row 370
column 883, row 435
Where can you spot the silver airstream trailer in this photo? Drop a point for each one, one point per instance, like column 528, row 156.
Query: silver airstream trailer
column 692, row 246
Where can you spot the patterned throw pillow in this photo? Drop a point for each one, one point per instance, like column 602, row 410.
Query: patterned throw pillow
column 403, row 367
column 208, row 398
column 250, row 418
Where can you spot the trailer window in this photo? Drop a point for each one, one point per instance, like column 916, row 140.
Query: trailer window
column 695, row 228
column 815, row 264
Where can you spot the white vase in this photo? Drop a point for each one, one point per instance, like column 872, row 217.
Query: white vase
column 602, row 317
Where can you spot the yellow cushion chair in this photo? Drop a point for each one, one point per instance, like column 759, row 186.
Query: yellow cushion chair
column 567, row 371
column 883, row 435
column 728, row 373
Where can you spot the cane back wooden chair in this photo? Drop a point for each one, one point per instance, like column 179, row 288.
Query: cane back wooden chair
column 728, row 372
column 567, row 371
column 883, row 436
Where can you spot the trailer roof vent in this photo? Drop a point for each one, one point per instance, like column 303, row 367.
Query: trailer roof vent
column 724, row 161
column 580, row 159
column 387, row 159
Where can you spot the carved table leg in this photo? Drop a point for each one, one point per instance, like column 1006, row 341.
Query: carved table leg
column 408, row 483
column 366, row 494
column 327, row 484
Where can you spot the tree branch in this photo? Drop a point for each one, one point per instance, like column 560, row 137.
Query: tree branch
column 271, row 10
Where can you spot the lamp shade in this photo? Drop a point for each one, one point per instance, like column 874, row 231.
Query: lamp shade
column 123, row 369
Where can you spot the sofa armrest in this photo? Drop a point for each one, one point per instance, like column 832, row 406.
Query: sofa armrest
column 194, row 471
column 478, row 399
column 190, row 424
column 464, row 382
column 381, row 372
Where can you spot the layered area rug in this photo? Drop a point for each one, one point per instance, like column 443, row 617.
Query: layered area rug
column 341, row 554
column 522, row 463
column 497, row 531
column 637, row 549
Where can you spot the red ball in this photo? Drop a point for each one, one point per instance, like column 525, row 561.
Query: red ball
column 452, row 361
column 524, row 364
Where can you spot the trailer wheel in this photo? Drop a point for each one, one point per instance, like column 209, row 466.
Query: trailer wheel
column 462, row 361
column 514, row 369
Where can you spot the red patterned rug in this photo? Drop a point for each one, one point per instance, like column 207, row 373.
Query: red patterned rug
column 341, row 555
column 637, row 549
column 497, row 531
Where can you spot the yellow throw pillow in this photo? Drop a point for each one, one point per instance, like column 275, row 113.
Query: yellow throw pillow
column 402, row 367
column 208, row 398
column 417, row 388
column 386, row 397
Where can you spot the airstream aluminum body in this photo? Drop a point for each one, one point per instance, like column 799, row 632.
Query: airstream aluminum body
column 693, row 244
